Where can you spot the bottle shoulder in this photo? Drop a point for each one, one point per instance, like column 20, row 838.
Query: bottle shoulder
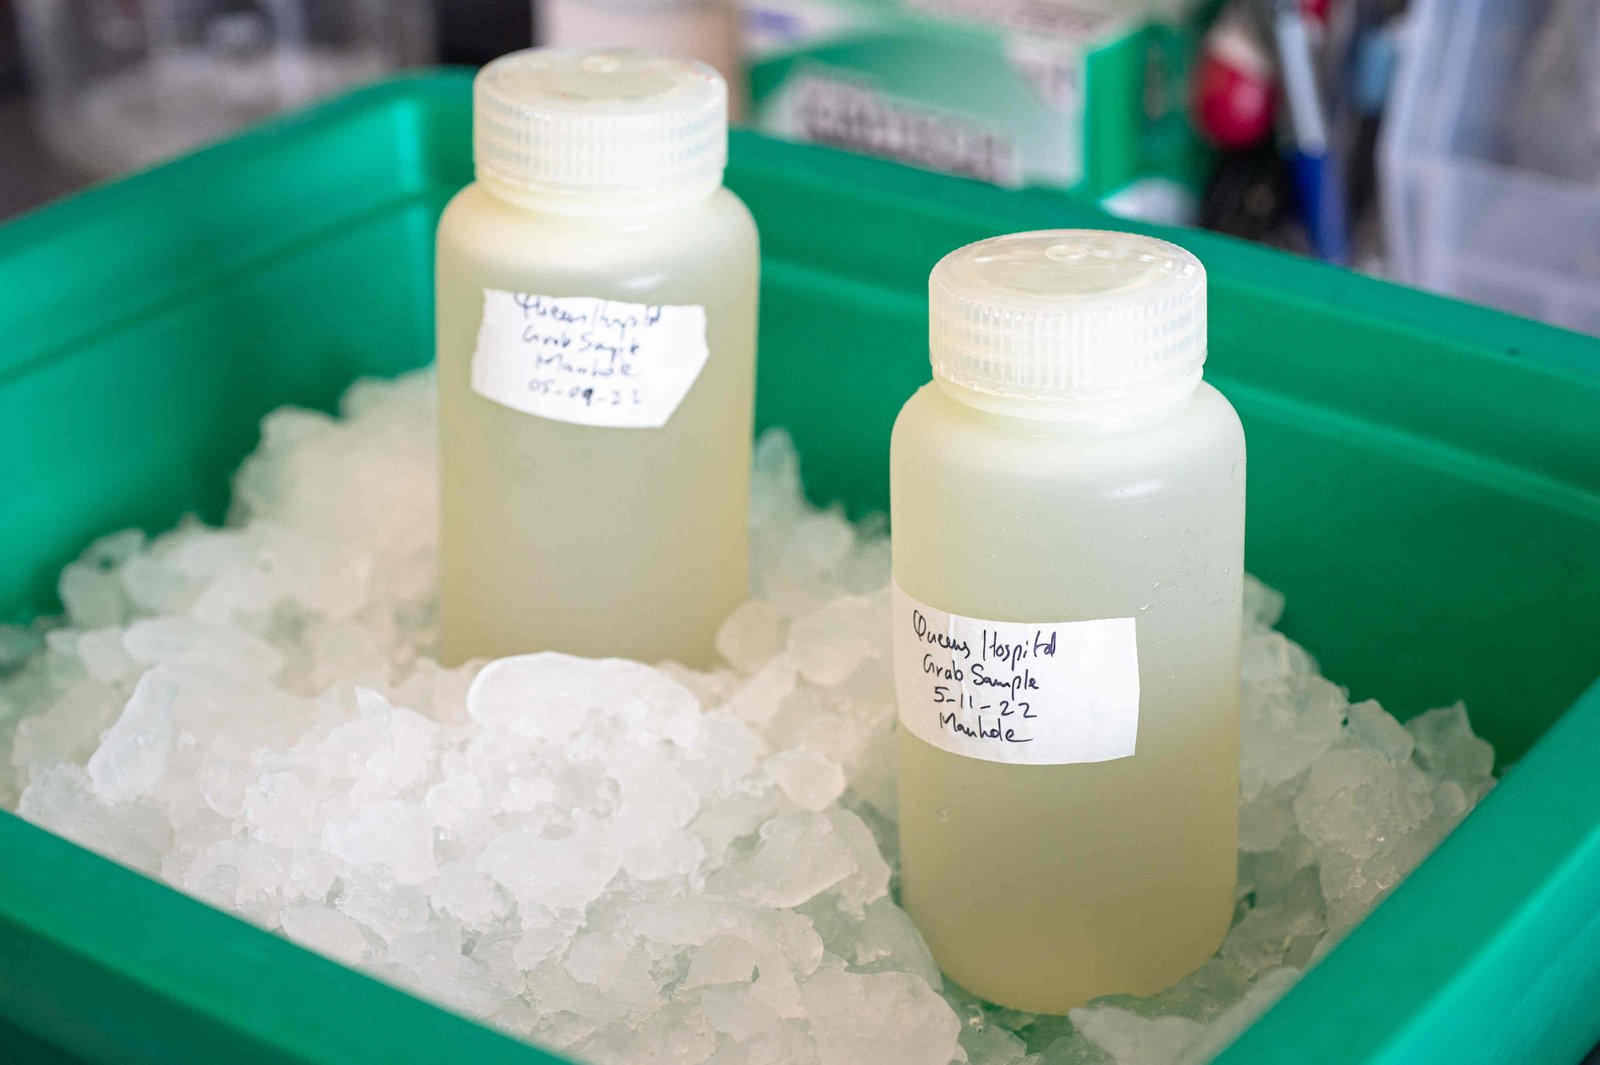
column 488, row 239
column 935, row 432
column 474, row 214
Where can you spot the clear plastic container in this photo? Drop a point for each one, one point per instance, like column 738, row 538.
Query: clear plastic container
column 121, row 85
column 1462, row 218
column 597, row 327
column 1067, row 499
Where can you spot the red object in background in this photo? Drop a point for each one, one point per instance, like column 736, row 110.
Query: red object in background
column 1316, row 10
column 1233, row 87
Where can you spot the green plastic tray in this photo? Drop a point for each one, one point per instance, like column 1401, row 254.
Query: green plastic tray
column 1424, row 484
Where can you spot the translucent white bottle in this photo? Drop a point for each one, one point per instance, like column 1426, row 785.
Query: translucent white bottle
column 1068, row 521
column 596, row 342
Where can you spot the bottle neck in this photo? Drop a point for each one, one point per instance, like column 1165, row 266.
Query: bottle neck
column 607, row 204
column 1133, row 410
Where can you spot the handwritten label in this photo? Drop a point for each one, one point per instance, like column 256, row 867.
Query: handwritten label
column 1045, row 693
column 587, row 360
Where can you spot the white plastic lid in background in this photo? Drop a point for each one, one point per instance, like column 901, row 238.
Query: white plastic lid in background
column 1081, row 317
column 603, row 121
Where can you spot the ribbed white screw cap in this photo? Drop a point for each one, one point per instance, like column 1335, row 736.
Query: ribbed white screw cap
column 1077, row 316
column 603, row 120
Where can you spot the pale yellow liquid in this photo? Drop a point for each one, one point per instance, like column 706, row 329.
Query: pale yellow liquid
column 592, row 540
column 1041, row 887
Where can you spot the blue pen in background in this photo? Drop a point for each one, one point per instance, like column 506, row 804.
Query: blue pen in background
column 1315, row 173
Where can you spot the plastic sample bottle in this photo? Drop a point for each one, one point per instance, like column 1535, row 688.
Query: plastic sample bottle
column 596, row 343
column 1068, row 521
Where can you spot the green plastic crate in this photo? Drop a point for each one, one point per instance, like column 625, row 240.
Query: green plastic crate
column 1424, row 484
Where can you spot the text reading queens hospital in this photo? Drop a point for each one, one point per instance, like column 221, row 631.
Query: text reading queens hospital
column 606, row 348
column 995, row 679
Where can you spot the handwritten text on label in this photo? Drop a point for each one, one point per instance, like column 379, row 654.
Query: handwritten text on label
column 588, row 360
column 1045, row 693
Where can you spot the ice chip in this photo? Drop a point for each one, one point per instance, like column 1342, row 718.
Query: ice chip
column 328, row 932
column 547, row 695
column 1133, row 1039
column 870, row 879
column 391, row 910
column 888, row 940
column 69, row 730
column 992, row 1045
column 280, row 809
column 91, row 589
column 724, row 959
column 620, row 970
column 807, row 779
column 394, row 836
column 133, row 756
column 61, row 799
column 1446, row 745
column 1354, row 801
column 831, row 641
column 756, row 701
column 104, row 657
column 557, row 873
column 800, row 856
column 1369, row 725
column 1262, row 605
column 873, row 1018
column 188, row 641
column 740, row 1013
column 751, row 635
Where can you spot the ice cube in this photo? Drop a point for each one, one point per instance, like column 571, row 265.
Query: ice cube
column 1286, row 726
column 831, row 641
column 739, row 1012
column 874, row 1018
column 620, row 970
column 1262, row 605
column 1369, row 725
column 188, row 641
column 807, row 779
column 555, row 873
column 888, row 940
column 1135, row 1040
column 1354, row 801
column 1447, row 746
column 61, row 799
column 724, row 959
column 279, row 809
column 992, row 1045
column 800, row 856
column 394, row 836
column 132, row 758
column 69, row 730
column 548, row 695
column 325, row 931
column 91, row 588
column 391, row 910
column 757, row 700
column 104, row 657
column 751, row 635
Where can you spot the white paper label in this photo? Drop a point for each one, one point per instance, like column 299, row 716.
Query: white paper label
column 587, row 360
column 1027, row 693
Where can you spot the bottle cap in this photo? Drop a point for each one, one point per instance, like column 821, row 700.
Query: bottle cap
column 1081, row 317
column 610, row 121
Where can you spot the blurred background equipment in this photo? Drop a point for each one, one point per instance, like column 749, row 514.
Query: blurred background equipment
column 120, row 84
column 1084, row 95
column 1490, row 156
column 708, row 30
column 1450, row 144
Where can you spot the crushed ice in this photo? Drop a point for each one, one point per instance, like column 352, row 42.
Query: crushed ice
column 602, row 856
